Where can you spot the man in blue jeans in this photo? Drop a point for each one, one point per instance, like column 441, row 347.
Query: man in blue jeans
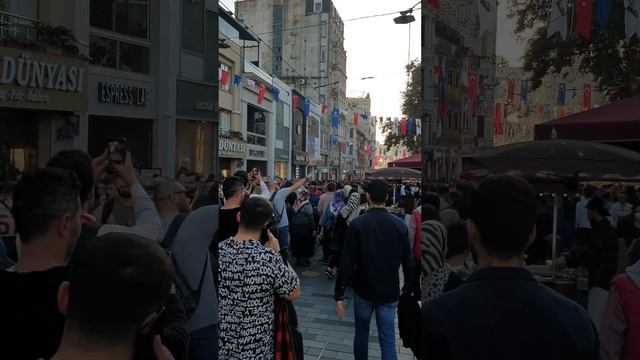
column 375, row 246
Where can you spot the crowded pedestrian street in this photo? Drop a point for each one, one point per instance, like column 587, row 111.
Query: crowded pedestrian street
column 319, row 179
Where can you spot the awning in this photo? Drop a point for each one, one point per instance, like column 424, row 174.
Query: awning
column 414, row 162
column 619, row 121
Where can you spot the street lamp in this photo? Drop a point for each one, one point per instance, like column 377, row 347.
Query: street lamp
column 406, row 16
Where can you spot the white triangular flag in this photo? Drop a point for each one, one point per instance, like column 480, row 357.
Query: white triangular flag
column 558, row 19
column 418, row 127
column 394, row 126
column 632, row 18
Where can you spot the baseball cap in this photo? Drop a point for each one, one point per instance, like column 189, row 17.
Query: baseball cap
column 596, row 203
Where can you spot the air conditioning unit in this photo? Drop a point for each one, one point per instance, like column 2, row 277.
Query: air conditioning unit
column 302, row 81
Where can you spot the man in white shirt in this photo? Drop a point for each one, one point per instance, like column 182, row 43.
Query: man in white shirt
column 620, row 209
column 582, row 219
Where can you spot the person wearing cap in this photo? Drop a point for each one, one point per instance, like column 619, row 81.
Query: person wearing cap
column 188, row 234
column 601, row 257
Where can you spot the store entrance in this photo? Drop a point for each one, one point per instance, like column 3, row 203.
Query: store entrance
column 138, row 132
column 18, row 143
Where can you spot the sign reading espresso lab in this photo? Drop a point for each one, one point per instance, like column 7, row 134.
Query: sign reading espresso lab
column 122, row 94
column 39, row 81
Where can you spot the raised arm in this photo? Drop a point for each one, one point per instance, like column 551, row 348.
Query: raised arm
column 300, row 183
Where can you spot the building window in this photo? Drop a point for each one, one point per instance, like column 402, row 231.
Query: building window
column 226, row 68
column 127, row 17
column 323, row 54
column 256, row 126
column 118, row 54
column 292, row 51
column 323, row 29
column 317, row 6
column 225, row 121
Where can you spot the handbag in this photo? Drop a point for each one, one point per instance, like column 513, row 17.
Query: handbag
column 287, row 338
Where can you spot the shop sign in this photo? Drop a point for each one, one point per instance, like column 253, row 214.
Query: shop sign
column 231, row 147
column 43, row 82
column 257, row 153
column 205, row 106
column 122, row 94
column 301, row 158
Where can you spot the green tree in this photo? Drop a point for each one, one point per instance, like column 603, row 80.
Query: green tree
column 613, row 59
column 411, row 107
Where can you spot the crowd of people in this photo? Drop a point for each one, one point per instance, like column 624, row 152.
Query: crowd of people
column 96, row 265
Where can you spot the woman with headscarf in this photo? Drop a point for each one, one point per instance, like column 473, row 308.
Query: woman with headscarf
column 343, row 219
column 437, row 278
column 302, row 228
column 327, row 224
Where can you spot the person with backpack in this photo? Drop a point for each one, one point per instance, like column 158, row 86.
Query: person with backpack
column 328, row 226
column 278, row 198
column 303, row 230
column 188, row 237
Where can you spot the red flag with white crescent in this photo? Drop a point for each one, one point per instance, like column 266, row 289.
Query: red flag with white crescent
column 586, row 96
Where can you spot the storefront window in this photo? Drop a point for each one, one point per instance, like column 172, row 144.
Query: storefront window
column 256, row 126
column 127, row 17
column 194, row 145
column 25, row 8
column 18, row 143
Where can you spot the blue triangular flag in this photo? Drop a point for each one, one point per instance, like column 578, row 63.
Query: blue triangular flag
column 307, row 107
column 562, row 89
column 603, row 10
column 237, row 79
column 410, row 124
column 335, row 118
column 276, row 95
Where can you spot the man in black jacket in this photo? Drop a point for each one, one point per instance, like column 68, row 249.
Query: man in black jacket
column 376, row 244
column 502, row 312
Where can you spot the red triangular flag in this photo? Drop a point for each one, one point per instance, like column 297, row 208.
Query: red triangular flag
column 497, row 120
column 584, row 10
column 511, row 89
column 356, row 117
column 586, row 97
column 473, row 91
column 295, row 102
column 224, row 78
column 561, row 112
column 403, row 126
column 262, row 91
column 325, row 108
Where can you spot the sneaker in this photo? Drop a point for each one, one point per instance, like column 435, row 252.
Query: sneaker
column 329, row 274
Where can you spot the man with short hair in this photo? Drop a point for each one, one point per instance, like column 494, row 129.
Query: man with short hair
column 189, row 235
column 117, row 287
column 278, row 200
column 326, row 198
column 375, row 246
column 47, row 212
column 620, row 209
column 234, row 194
column 501, row 311
column 251, row 276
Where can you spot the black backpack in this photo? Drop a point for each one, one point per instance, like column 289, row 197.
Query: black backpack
column 189, row 297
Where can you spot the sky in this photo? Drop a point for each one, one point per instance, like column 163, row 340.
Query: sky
column 378, row 48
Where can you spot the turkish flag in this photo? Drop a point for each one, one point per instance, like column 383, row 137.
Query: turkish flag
column 586, row 97
column 473, row 91
column 497, row 120
column 561, row 112
column 511, row 89
column 584, row 11
column 356, row 117
column 295, row 102
column 224, row 78
column 262, row 90
column 403, row 126
column 325, row 108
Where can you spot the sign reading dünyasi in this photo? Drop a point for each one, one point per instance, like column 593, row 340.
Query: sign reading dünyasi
column 39, row 81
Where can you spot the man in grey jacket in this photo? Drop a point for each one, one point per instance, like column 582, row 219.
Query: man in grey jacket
column 190, row 248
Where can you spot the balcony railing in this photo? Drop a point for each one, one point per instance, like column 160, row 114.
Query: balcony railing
column 18, row 27
column 31, row 32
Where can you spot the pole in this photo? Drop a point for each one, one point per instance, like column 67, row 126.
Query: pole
column 409, row 52
column 555, row 232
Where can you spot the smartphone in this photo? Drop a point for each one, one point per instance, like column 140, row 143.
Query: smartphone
column 117, row 148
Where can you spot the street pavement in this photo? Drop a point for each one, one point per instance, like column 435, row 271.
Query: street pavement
column 325, row 335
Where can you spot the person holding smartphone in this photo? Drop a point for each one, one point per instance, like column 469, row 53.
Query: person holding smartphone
column 251, row 275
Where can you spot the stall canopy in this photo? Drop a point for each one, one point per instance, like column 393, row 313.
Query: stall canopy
column 413, row 162
column 619, row 121
column 396, row 174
